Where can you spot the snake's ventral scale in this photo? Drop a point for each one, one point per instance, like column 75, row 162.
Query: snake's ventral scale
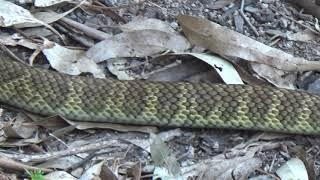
column 170, row 104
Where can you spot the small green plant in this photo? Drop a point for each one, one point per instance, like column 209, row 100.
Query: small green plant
column 36, row 174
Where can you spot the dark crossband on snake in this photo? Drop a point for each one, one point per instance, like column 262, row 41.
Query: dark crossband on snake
column 162, row 104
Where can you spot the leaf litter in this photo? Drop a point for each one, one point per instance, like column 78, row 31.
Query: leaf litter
column 131, row 44
column 73, row 62
column 224, row 41
column 13, row 15
column 293, row 169
column 149, row 37
column 20, row 127
column 143, row 23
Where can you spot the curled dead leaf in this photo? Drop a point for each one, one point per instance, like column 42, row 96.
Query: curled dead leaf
column 224, row 41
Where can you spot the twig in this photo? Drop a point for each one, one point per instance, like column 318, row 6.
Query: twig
column 59, row 132
column 59, row 154
column 10, row 53
column 146, row 75
column 145, row 65
column 266, row 173
column 96, row 34
column 33, row 56
column 74, row 34
column 86, row 159
column 58, row 139
column 13, row 165
column 23, row 34
column 272, row 43
column 272, row 163
column 246, row 19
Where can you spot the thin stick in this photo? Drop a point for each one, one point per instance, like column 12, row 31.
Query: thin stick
column 10, row 164
column 86, row 159
column 59, row 154
column 246, row 19
column 269, row 174
column 10, row 53
column 91, row 32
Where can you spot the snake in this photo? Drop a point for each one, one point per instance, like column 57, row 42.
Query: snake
column 162, row 104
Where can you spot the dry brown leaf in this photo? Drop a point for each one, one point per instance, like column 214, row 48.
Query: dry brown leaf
column 69, row 61
column 7, row 39
column 238, row 170
column 16, row 39
column 164, row 136
column 61, row 162
column 93, row 172
column 37, row 31
column 109, row 173
column 52, row 122
column 267, row 136
column 137, row 44
column 14, row 15
column 223, row 41
column 20, row 128
column 117, row 127
column 143, row 23
column 21, row 142
column 166, row 164
column 49, row 17
column 277, row 77
column 220, row 4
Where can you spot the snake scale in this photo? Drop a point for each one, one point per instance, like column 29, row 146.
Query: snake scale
column 164, row 104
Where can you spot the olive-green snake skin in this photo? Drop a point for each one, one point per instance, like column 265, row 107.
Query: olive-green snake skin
column 169, row 104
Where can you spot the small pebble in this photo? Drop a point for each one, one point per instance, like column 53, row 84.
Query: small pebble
column 175, row 5
column 264, row 6
column 212, row 15
column 283, row 23
column 174, row 25
column 261, row 31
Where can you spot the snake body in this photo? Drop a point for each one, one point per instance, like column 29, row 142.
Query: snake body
column 169, row 104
